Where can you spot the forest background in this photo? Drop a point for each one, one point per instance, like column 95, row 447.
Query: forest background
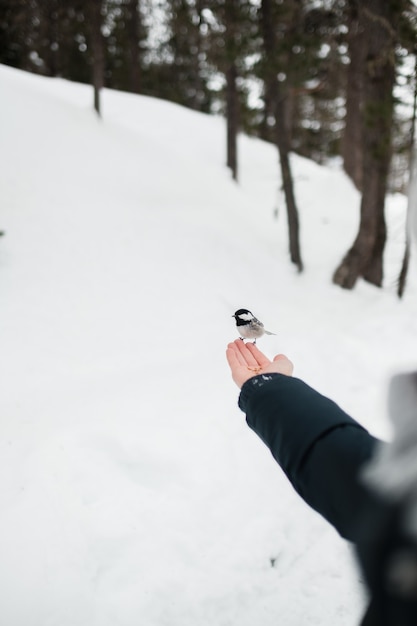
column 334, row 79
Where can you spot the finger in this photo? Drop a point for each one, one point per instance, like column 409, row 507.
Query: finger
column 234, row 346
column 261, row 359
column 235, row 367
column 243, row 353
column 246, row 354
column 234, row 357
column 288, row 366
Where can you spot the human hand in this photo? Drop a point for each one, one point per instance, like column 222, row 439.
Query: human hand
column 246, row 360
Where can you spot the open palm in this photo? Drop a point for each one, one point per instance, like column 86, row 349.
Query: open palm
column 246, row 360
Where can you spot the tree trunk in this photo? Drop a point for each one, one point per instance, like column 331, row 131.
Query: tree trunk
column 292, row 212
column 50, row 28
column 267, row 114
column 365, row 258
column 232, row 100
column 412, row 192
column 278, row 93
column 133, row 32
column 232, row 118
column 352, row 137
column 282, row 141
column 97, row 46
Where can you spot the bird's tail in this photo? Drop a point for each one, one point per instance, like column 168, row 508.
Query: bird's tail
column 269, row 333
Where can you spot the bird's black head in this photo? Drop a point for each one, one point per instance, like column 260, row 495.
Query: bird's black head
column 241, row 312
column 242, row 317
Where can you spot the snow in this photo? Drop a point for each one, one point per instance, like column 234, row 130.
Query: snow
column 132, row 491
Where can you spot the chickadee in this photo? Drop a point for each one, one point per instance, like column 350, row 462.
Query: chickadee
column 249, row 326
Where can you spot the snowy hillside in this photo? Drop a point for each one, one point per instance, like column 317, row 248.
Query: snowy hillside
column 131, row 490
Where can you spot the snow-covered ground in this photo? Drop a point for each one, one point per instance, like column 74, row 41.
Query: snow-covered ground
column 131, row 490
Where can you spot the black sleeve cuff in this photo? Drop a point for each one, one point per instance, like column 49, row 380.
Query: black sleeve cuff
column 251, row 386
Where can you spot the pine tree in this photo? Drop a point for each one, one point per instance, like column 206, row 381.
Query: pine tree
column 97, row 50
column 125, row 44
column 379, row 19
column 279, row 25
column 233, row 38
column 319, row 83
column 184, row 56
column 20, row 44
column 352, row 149
column 133, row 27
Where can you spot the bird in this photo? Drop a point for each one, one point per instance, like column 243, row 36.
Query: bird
column 249, row 326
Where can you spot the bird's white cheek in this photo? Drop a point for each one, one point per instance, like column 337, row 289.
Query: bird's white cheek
column 246, row 317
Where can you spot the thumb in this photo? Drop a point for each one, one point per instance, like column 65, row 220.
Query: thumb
column 285, row 364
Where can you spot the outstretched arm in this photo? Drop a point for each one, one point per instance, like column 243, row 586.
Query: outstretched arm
column 320, row 448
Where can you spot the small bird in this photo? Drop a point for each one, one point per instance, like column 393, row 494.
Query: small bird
column 249, row 326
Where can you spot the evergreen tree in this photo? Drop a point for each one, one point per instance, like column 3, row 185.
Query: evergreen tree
column 20, row 34
column 180, row 74
column 318, row 86
column 233, row 38
column 47, row 37
column 134, row 31
column 280, row 22
column 379, row 19
column 97, row 50
column 126, row 44
column 352, row 139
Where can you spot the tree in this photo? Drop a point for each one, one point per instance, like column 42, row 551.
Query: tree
column 20, row 26
column 352, row 137
column 125, row 35
column 97, row 50
column 226, row 29
column 231, row 74
column 134, row 29
column 277, row 65
column 50, row 21
column 186, row 49
column 233, row 38
column 412, row 191
column 378, row 19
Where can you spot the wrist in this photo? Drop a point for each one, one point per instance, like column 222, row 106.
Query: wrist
column 252, row 385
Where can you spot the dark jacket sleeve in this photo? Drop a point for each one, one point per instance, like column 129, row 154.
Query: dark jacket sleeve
column 320, row 448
